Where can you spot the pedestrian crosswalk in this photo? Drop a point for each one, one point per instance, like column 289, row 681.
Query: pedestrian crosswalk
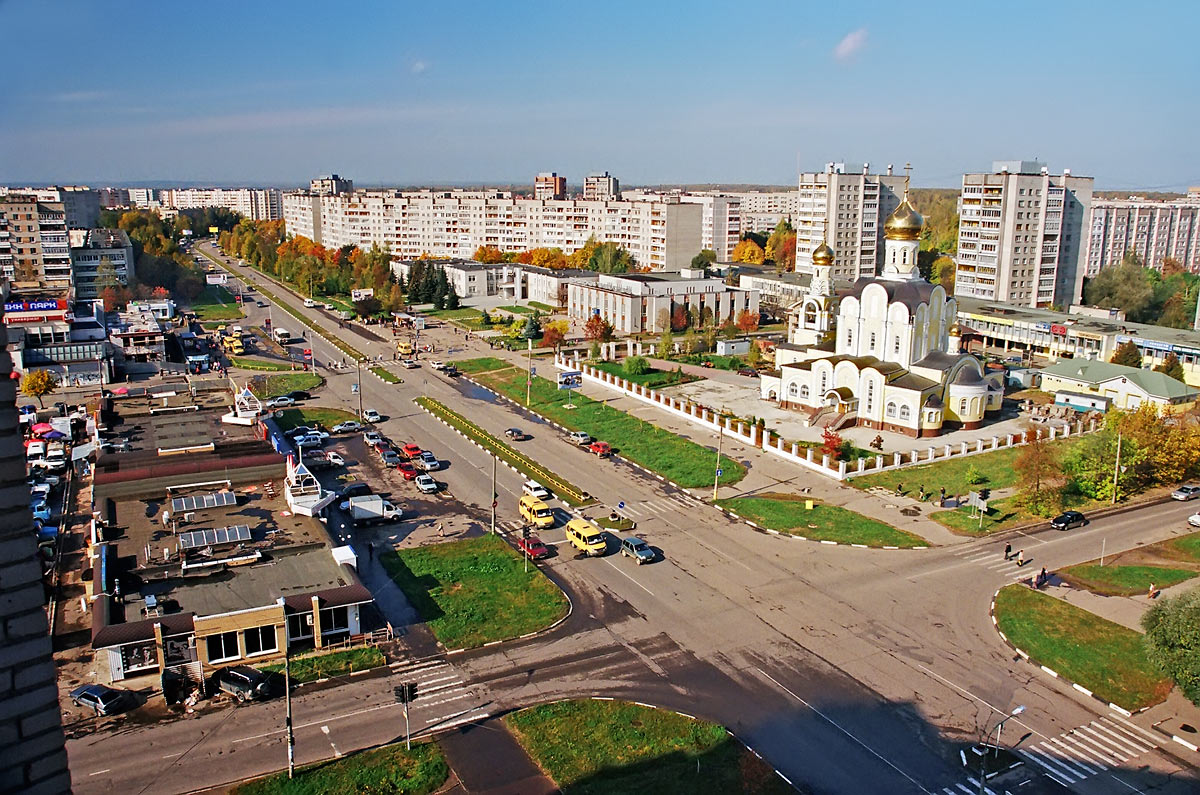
column 662, row 506
column 993, row 558
column 444, row 698
column 1076, row 755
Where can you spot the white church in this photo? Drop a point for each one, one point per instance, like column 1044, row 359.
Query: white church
column 891, row 360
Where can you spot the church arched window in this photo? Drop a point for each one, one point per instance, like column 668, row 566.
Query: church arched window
column 896, row 346
column 824, row 381
column 891, row 409
column 962, row 409
column 793, row 389
column 903, row 413
column 804, row 392
column 870, row 396
column 810, row 314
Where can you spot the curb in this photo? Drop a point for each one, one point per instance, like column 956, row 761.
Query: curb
column 797, row 537
column 1025, row 656
column 493, row 643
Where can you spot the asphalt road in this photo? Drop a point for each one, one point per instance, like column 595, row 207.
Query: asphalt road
column 850, row 670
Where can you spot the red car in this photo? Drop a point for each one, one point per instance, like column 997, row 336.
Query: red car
column 412, row 450
column 601, row 449
column 408, row 470
column 533, row 547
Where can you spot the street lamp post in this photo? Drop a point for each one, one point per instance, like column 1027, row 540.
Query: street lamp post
column 995, row 747
column 358, row 363
column 720, row 444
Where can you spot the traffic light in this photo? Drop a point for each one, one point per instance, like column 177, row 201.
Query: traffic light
column 524, row 531
column 405, row 693
column 412, row 691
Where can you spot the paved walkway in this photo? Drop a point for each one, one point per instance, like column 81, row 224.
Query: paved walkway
column 488, row 759
column 1124, row 610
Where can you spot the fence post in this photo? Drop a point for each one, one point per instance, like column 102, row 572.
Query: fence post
column 841, row 470
column 879, row 462
column 808, row 453
column 963, row 449
column 947, row 448
column 862, row 463
column 931, row 454
column 1009, row 443
column 824, row 461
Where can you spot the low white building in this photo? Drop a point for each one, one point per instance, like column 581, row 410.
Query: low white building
column 514, row 281
column 644, row 302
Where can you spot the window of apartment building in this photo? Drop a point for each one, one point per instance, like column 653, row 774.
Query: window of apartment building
column 222, row 647
column 260, row 640
column 334, row 619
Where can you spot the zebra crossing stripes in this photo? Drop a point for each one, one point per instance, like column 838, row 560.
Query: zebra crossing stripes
column 993, row 560
column 659, row 507
column 1087, row 750
column 441, row 692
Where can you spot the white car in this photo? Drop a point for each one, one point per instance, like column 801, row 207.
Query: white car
column 410, row 364
column 426, row 484
column 283, row 401
column 372, row 438
column 1194, row 520
column 335, row 459
column 349, row 426
column 371, row 415
column 429, row 462
column 309, row 440
column 535, row 489
column 436, row 365
column 330, row 307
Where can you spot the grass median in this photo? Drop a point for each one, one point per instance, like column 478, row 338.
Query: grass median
column 387, row 375
column 659, row 450
column 313, row 415
column 567, row 492
column 390, row 769
column 312, row 667
column 995, row 467
column 258, row 364
column 483, row 364
column 788, row 513
column 1133, row 571
column 601, row 747
column 216, row 303
column 475, row 590
column 1098, row 654
column 652, row 378
column 268, row 386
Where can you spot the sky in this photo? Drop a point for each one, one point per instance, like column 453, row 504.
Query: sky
column 412, row 93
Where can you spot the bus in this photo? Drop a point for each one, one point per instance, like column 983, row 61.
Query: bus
column 404, row 348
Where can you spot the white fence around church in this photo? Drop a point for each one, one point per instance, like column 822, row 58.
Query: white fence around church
column 771, row 442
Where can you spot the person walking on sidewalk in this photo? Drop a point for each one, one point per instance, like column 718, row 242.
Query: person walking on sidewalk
column 1008, row 551
column 1020, row 558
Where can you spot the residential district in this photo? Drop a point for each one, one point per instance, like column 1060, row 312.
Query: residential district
column 306, row 479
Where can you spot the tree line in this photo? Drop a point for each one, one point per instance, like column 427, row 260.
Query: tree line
column 601, row 257
column 1164, row 297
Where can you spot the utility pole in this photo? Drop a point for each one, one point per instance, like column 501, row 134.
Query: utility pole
column 1117, row 469
column 494, row 494
column 358, row 363
column 287, row 699
column 529, row 371
column 720, row 444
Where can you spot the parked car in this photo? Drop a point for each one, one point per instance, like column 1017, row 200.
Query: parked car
column 243, row 683
column 409, row 364
column 451, row 371
column 426, row 484
column 516, row 434
column 350, row 426
column 371, row 415
column 428, row 461
column 372, row 438
column 533, row 547
column 436, row 365
column 1067, row 520
column 102, row 699
column 1194, row 520
column 29, row 408
column 41, row 510
column 579, row 437
column 1189, row 492
column 299, row 394
column 411, row 450
column 601, row 449
column 748, row 372
column 299, row 430
column 329, row 307
column 355, row 489
column 309, row 440
column 390, row 458
column 261, row 303
column 535, row 489
column 281, row 402
column 407, row 470
column 637, row 549
column 336, row 459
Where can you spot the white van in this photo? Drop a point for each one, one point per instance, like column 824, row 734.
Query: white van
column 281, row 335
column 535, row 489
column 309, row 303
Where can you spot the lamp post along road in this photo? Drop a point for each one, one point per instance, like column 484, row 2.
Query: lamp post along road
column 717, row 471
column 995, row 748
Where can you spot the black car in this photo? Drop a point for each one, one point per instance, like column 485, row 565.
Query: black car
column 102, row 699
column 299, row 394
column 355, row 489
column 243, row 683
column 516, row 434
column 1067, row 520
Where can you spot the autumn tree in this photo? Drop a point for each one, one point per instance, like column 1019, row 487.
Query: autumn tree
column 368, row 307
column 781, row 246
column 679, row 318
column 554, row 334
column 1171, row 366
column 834, row 446
column 753, row 355
column 580, row 258
column 1172, row 640
column 1038, row 467
column 160, row 293
column 38, row 384
column 1127, row 354
column 1171, row 267
column 749, row 252
column 489, row 255
column 597, row 329
column 548, row 258
column 747, row 321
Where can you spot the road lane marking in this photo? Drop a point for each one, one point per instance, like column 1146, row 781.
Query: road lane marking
column 626, row 576
column 336, row 752
column 101, row 772
column 990, row 706
column 834, row 723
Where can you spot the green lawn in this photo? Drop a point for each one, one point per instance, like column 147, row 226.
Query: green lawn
column 1124, row 580
column 336, row 663
column 657, row 449
column 471, row 319
column 1001, row 515
column 257, row 364
column 1102, row 656
column 1188, row 546
column 997, row 466
column 481, row 365
column 387, row 375
column 390, row 769
column 309, row 415
column 266, row 386
column 216, row 303
column 475, row 590
column 614, row 747
column 543, row 307
column 787, row 514
column 718, row 362
column 566, row 491
column 617, row 525
column 517, row 310
column 652, row 379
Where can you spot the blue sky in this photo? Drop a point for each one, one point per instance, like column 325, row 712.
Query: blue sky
column 422, row 92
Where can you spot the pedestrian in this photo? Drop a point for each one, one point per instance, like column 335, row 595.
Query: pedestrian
column 1020, row 558
column 900, row 489
column 1153, row 594
column 371, row 550
column 1008, row 551
column 920, row 494
column 943, row 494
column 1043, row 577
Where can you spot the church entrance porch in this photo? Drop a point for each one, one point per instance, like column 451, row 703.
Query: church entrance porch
column 841, row 400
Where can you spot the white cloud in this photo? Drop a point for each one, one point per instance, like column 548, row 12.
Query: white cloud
column 850, row 45
column 418, row 67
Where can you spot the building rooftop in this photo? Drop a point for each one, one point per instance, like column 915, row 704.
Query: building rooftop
column 99, row 238
column 1092, row 371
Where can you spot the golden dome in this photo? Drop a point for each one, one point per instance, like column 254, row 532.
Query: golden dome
column 904, row 223
column 955, row 330
column 822, row 256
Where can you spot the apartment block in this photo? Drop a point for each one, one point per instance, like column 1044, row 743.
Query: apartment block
column 761, row 211
column 331, row 184
column 257, row 204
column 143, row 197
column 111, row 198
column 34, row 247
column 660, row 233
column 1154, row 229
column 854, row 205
column 91, row 251
column 601, row 187
column 720, row 218
column 81, row 204
column 1022, row 235
column 549, row 185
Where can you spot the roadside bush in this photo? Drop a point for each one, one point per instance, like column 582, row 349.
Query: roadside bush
column 636, row 365
column 974, row 476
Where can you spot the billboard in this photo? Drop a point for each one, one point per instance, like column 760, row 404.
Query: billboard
column 216, row 278
column 570, row 379
column 213, row 230
column 358, row 295
column 51, row 305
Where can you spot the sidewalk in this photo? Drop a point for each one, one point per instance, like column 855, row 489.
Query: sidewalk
column 488, row 759
column 1124, row 610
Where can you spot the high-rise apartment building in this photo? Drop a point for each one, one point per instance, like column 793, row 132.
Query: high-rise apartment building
column 720, row 220
column 659, row 233
column 93, row 252
column 550, row 186
column 34, row 247
column 257, row 204
column 1154, row 230
column 34, row 758
column 330, row 185
column 1022, row 235
column 111, row 198
column 601, row 187
column 761, row 211
column 846, row 209
column 81, row 204
column 143, row 197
